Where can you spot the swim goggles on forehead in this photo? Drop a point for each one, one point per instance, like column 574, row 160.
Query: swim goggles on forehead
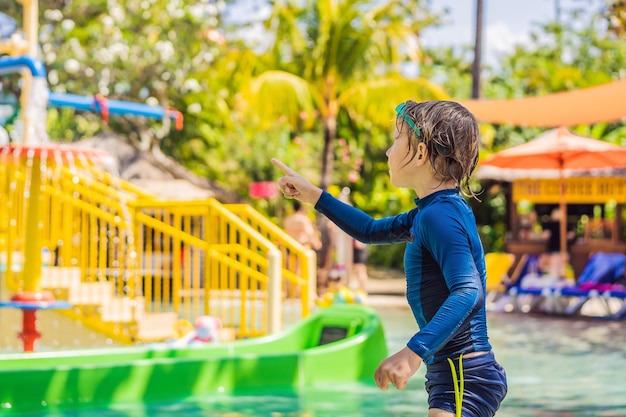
column 401, row 112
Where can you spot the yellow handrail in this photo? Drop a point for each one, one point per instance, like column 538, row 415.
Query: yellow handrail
column 299, row 267
column 120, row 254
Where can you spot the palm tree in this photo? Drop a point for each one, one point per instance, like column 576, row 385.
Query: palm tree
column 616, row 15
column 330, row 55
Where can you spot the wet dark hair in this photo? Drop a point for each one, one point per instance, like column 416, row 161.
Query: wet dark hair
column 451, row 136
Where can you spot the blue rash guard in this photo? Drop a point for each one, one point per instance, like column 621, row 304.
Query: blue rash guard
column 444, row 266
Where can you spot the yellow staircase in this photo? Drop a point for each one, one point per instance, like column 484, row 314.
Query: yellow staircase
column 132, row 265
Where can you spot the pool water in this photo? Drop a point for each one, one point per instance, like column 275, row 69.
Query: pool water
column 557, row 367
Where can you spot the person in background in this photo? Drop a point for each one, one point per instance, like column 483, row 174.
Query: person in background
column 554, row 263
column 206, row 329
column 300, row 227
column 359, row 266
column 434, row 152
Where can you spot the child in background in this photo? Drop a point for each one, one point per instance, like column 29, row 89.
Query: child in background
column 206, row 329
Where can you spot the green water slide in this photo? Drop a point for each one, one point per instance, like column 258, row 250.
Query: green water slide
column 338, row 344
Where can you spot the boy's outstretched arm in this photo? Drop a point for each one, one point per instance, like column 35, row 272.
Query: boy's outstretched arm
column 294, row 185
column 355, row 222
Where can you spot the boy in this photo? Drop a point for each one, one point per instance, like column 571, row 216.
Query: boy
column 435, row 151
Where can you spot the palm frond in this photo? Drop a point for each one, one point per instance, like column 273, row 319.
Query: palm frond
column 279, row 97
column 374, row 100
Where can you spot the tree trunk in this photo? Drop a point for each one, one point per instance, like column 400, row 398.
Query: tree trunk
column 324, row 255
column 328, row 153
column 478, row 48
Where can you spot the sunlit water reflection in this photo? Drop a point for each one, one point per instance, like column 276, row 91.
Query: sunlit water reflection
column 557, row 367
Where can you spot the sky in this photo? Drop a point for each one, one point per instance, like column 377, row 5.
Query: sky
column 505, row 22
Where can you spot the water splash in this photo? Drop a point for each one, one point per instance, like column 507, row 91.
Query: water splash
column 36, row 111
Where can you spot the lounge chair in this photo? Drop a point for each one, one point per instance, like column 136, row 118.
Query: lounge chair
column 521, row 297
column 597, row 284
column 498, row 266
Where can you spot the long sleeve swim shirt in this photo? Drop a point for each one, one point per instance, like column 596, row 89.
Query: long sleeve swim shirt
column 444, row 267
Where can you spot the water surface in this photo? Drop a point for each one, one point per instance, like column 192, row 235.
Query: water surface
column 557, row 367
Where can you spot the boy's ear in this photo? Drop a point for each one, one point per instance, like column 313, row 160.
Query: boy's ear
column 422, row 152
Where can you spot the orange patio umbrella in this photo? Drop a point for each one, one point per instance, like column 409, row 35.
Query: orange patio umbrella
column 555, row 154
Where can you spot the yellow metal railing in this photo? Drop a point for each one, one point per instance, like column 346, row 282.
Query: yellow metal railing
column 213, row 261
column 121, row 255
column 299, row 267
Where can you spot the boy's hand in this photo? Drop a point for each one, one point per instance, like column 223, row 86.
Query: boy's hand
column 397, row 369
column 294, row 185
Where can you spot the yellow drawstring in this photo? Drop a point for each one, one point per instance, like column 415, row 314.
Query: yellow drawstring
column 459, row 386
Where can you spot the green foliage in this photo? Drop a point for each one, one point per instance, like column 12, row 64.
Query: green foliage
column 154, row 52
column 450, row 69
column 320, row 73
column 337, row 57
column 491, row 211
column 345, row 60
column 579, row 52
column 66, row 123
column 390, row 256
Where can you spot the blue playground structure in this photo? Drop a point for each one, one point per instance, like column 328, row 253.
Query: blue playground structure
column 98, row 103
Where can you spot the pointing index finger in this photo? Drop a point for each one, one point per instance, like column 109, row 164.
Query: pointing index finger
column 286, row 170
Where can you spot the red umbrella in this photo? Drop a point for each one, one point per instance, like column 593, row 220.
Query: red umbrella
column 555, row 154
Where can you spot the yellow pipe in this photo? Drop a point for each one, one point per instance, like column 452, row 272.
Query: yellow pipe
column 31, row 18
column 31, row 28
column 32, row 245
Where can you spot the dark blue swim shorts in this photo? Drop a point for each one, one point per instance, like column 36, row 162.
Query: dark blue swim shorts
column 485, row 385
